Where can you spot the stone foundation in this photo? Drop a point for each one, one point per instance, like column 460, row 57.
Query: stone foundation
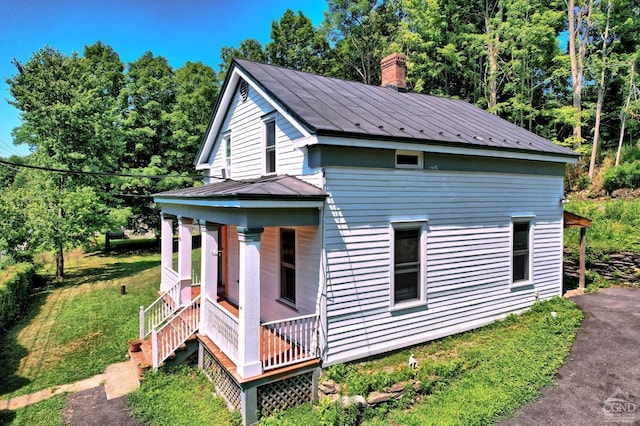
column 623, row 268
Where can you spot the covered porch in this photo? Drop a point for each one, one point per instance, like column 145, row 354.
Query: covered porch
column 257, row 309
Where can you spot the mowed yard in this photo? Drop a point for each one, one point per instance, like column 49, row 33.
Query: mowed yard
column 75, row 329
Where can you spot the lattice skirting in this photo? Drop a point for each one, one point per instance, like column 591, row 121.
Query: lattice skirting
column 225, row 385
column 277, row 396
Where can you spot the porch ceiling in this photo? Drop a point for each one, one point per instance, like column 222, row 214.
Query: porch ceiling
column 266, row 201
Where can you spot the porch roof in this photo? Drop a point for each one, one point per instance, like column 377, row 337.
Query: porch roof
column 264, row 201
column 266, row 187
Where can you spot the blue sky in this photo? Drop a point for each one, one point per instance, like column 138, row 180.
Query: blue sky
column 179, row 30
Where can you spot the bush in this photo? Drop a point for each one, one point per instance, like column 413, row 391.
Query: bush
column 623, row 176
column 15, row 285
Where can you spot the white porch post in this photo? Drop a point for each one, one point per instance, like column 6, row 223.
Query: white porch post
column 185, row 246
column 249, row 363
column 166, row 248
column 209, row 265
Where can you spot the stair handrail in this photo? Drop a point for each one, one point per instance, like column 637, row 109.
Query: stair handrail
column 165, row 340
column 161, row 309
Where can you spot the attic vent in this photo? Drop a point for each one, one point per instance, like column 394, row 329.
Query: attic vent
column 244, row 90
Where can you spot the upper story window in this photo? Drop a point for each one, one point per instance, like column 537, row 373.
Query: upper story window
column 270, row 145
column 226, row 145
column 408, row 159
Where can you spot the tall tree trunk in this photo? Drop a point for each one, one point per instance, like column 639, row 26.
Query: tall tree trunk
column 579, row 28
column 576, row 82
column 601, row 89
column 493, row 54
column 59, row 240
column 624, row 112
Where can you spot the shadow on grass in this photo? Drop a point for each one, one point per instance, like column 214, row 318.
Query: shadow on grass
column 111, row 271
column 569, row 283
column 6, row 417
column 11, row 353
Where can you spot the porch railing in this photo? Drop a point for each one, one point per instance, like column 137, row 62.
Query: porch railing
column 288, row 341
column 222, row 328
column 196, row 272
column 183, row 324
column 161, row 309
column 168, row 276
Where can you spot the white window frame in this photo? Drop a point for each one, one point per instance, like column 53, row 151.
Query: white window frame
column 421, row 225
column 418, row 154
column 227, row 153
column 530, row 220
column 281, row 299
column 265, row 121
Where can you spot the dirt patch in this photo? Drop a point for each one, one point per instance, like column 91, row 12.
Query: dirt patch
column 91, row 407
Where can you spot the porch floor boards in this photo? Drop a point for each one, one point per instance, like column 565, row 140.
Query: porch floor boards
column 270, row 344
column 233, row 370
column 278, row 347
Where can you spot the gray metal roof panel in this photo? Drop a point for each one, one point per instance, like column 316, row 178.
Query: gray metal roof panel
column 267, row 186
column 332, row 106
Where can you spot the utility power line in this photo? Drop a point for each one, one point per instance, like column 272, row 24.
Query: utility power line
column 80, row 172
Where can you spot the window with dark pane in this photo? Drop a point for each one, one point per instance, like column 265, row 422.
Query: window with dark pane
column 270, row 144
column 227, row 153
column 288, row 265
column 407, row 160
column 520, row 251
column 406, row 264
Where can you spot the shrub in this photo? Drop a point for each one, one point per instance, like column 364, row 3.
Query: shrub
column 624, row 176
column 15, row 285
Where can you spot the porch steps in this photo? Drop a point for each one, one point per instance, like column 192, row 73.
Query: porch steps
column 144, row 359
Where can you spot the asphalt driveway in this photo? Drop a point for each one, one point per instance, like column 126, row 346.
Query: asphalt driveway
column 600, row 381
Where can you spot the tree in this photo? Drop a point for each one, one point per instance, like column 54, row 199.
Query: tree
column 196, row 90
column 67, row 114
column 362, row 32
column 250, row 49
column 146, row 101
column 580, row 20
column 296, row 44
column 147, row 98
column 601, row 89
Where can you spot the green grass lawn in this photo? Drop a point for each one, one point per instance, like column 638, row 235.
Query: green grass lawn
column 475, row 378
column 74, row 330
column 43, row 413
column 179, row 396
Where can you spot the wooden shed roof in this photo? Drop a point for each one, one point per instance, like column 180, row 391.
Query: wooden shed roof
column 572, row 220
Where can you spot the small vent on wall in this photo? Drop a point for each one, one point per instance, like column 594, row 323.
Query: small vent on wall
column 244, row 90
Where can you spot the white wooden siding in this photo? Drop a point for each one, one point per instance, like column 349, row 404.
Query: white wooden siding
column 244, row 120
column 468, row 253
column 308, row 249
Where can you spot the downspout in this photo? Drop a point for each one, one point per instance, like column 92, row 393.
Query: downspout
column 321, row 319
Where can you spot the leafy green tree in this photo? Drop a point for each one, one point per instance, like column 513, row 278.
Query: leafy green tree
column 250, row 49
column 147, row 101
column 68, row 117
column 196, row 90
column 362, row 32
column 296, row 44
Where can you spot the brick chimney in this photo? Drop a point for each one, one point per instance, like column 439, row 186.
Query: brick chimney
column 394, row 72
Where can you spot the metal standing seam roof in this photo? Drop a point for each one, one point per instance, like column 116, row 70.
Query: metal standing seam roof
column 331, row 106
column 273, row 187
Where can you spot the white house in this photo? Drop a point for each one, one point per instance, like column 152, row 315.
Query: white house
column 341, row 220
